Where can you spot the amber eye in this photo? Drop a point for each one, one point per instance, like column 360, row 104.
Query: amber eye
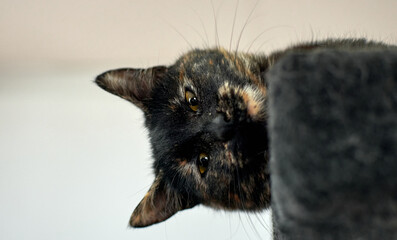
column 202, row 163
column 192, row 100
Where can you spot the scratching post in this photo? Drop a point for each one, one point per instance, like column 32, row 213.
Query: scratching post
column 333, row 144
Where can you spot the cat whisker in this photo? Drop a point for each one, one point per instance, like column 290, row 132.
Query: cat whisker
column 215, row 25
column 198, row 33
column 244, row 26
column 261, row 153
column 207, row 42
column 263, row 222
column 263, row 32
column 141, row 190
column 234, row 187
column 252, row 225
column 233, row 25
column 173, row 179
column 165, row 231
column 311, row 33
column 264, row 42
column 240, row 193
column 179, row 33
column 242, row 224
column 230, row 226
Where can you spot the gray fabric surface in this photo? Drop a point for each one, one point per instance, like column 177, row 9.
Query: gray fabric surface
column 333, row 144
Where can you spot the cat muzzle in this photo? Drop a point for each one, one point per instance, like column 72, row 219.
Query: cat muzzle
column 222, row 129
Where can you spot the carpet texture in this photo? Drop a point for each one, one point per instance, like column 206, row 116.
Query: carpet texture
column 333, row 145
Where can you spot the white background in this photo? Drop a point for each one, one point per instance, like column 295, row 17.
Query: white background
column 75, row 160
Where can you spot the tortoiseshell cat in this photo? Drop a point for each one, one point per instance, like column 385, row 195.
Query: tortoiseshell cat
column 206, row 116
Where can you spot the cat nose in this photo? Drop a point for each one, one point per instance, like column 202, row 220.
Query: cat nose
column 222, row 129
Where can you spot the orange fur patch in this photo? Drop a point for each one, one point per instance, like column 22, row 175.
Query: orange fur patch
column 181, row 74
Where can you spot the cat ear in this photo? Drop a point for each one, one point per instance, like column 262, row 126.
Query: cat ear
column 134, row 85
column 159, row 203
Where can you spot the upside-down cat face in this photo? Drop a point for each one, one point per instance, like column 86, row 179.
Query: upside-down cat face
column 206, row 116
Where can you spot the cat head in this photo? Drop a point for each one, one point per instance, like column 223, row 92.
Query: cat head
column 206, row 116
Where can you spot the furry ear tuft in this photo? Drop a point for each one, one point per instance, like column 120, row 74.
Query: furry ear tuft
column 134, row 85
column 159, row 204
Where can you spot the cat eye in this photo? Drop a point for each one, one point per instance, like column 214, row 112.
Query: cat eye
column 202, row 163
column 192, row 100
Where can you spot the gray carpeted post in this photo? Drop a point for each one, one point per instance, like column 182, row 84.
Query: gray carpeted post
column 333, row 144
